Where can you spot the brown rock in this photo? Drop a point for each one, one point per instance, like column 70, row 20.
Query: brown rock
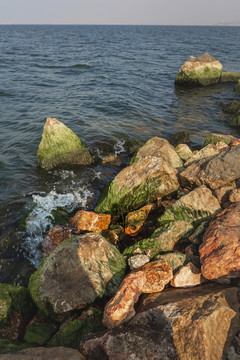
column 90, row 221
column 217, row 171
column 55, row 236
column 223, row 193
column 220, row 251
column 41, row 353
column 235, row 143
column 234, row 195
column 187, row 276
column 150, row 278
column 206, row 151
column 135, row 220
column 183, row 151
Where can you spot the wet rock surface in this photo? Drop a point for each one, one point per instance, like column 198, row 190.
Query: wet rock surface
column 90, row 221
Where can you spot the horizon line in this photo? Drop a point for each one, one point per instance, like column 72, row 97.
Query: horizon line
column 90, row 24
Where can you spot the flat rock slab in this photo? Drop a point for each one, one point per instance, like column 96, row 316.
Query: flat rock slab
column 220, row 251
column 80, row 270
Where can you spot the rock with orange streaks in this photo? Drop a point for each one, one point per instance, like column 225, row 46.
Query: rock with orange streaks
column 90, row 221
column 55, row 236
column 150, row 278
column 76, row 273
column 135, row 220
column 220, row 251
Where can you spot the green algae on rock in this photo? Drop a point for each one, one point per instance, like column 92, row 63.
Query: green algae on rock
column 138, row 185
column 235, row 120
column 80, row 270
column 60, row 147
column 229, row 76
column 39, row 332
column 201, row 71
column 215, row 138
column 8, row 346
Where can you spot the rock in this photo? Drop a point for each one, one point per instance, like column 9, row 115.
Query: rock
column 229, row 77
column 40, row 353
column 208, row 150
column 130, row 342
column 234, row 195
column 16, row 309
column 135, row 220
column 158, row 147
column 39, row 332
column 235, row 120
column 60, row 147
column 215, row 138
column 232, row 108
column 220, row 251
column 187, row 276
column 180, row 137
column 10, row 346
column 223, row 193
column 76, row 273
column 176, row 260
column 207, row 312
column 237, row 87
column 215, row 172
column 183, row 151
column 138, row 185
column 150, row 278
column 235, row 143
column 201, row 71
column 55, row 236
column 90, row 221
column 137, row 261
column 73, row 331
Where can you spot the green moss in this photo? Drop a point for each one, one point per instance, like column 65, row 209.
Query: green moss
column 175, row 260
column 73, row 332
column 118, row 268
column 214, row 139
column 229, row 77
column 143, row 245
column 14, row 299
column 235, row 120
column 237, row 88
column 59, row 217
column 203, row 77
column 7, row 346
column 39, row 333
column 134, row 158
column 181, row 213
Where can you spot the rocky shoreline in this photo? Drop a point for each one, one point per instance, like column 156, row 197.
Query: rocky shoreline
column 152, row 272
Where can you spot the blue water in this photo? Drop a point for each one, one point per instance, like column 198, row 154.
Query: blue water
column 109, row 84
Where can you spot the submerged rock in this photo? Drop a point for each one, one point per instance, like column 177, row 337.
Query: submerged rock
column 201, row 71
column 90, row 221
column 235, row 120
column 60, row 147
column 138, row 185
column 80, row 270
column 231, row 108
column 237, row 87
column 220, row 251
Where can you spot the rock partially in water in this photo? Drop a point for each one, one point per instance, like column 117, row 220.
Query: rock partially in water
column 80, row 270
column 229, row 76
column 90, row 221
column 137, row 185
column 237, row 87
column 199, row 71
column 231, row 108
column 235, row 120
column 220, row 251
column 60, row 147
column 215, row 138
column 55, row 237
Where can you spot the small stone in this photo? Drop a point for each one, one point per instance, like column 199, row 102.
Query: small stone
column 187, row 276
column 90, row 221
column 135, row 220
column 234, row 195
column 184, row 151
column 137, row 261
column 55, row 236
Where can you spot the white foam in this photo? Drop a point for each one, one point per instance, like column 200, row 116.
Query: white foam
column 119, row 147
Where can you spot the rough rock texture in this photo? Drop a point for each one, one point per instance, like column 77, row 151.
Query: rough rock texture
column 183, row 151
column 90, row 221
column 234, row 195
column 137, row 261
column 220, row 251
column 235, row 120
column 187, row 276
column 139, row 184
column 55, row 236
column 60, row 147
column 152, row 277
column 16, row 308
column 215, row 172
column 135, row 220
column 158, row 147
column 176, row 260
column 229, row 76
column 41, row 353
column 202, row 320
column 202, row 71
column 232, row 107
column 215, row 138
column 80, row 270
column 130, row 343
column 206, row 151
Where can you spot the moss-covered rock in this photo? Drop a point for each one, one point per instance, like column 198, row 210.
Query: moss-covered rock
column 73, row 331
column 60, row 147
column 232, row 107
column 215, row 138
column 39, row 332
column 229, row 76
column 138, row 185
column 235, row 120
column 8, row 346
column 16, row 307
column 237, row 87
column 202, row 71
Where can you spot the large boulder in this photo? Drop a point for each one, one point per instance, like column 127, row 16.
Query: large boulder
column 215, row 172
column 220, row 251
column 199, row 71
column 158, row 147
column 60, row 147
column 80, row 270
column 139, row 184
